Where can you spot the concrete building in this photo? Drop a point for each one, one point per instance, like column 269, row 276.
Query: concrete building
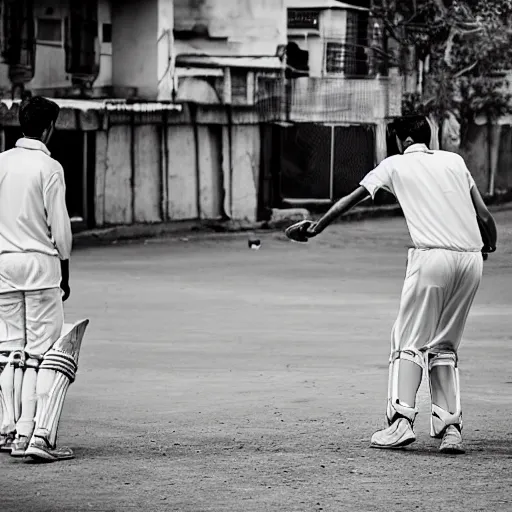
column 177, row 110
column 335, row 104
column 155, row 125
column 335, row 34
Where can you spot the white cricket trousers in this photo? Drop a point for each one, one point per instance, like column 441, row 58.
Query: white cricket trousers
column 438, row 292
column 31, row 321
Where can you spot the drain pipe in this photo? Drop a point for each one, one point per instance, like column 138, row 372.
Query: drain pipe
column 195, row 128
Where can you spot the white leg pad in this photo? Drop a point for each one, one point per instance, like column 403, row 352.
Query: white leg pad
column 441, row 418
column 11, row 379
column 56, row 373
column 25, row 423
column 395, row 406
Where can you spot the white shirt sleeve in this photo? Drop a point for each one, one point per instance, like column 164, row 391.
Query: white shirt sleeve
column 379, row 178
column 469, row 176
column 57, row 214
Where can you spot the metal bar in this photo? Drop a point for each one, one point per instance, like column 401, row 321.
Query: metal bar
column 306, row 201
column 85, row 178
column 132, row 167
column 331, row 178
column 490, row 155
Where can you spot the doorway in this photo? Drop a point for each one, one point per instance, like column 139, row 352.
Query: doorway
column 75, row 151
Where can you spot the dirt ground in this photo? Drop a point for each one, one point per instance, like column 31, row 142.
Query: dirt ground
column 216, row 378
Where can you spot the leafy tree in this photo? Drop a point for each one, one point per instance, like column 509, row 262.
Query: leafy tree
column 467, row 44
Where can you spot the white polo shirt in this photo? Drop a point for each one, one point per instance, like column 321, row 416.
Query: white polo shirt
column 35, row 229
column 433, row 189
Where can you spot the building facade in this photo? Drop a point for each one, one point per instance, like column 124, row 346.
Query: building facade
column 155, row 124
column 175, row 110
column 335, row 103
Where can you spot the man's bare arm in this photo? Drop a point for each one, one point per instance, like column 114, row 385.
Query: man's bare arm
column 338, row 209
column 485, row 220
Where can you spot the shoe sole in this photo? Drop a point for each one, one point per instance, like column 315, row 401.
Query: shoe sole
column 452, row 450
column 18, row 453
column 402, row 444
column 43, row 456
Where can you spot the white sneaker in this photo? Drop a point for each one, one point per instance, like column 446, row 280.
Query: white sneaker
column 452, row 441
column 397, row 435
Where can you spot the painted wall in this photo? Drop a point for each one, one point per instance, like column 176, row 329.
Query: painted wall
column 236, row 27
column 134, row 46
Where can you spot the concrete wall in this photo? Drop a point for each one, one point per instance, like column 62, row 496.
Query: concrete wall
column 165, row 48
column 155, row 172
column 50, row 57
column 134, row 46
column 313, row 44
column 104, row 16
column 236, row 27
column 482, row 159
column 332, row 28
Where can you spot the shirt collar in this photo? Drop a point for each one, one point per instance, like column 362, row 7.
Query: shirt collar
column 418, row 148
column 27, row 143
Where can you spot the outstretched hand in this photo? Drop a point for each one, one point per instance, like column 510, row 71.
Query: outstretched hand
column 301, row 231
column 311, row 230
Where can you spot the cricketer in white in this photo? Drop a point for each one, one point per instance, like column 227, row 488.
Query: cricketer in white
column 38, row 352
column 452, row 232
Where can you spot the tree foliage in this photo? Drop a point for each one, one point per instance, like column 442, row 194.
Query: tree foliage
column 467, row 44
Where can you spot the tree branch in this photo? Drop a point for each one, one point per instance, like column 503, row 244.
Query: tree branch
column 449, row 47
column 465, row 70
column 441, row 7
column 392, row 32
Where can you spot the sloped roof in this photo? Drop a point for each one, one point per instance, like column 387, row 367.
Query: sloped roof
column 110, row 105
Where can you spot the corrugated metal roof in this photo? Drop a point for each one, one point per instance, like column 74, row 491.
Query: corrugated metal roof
column 109, row 105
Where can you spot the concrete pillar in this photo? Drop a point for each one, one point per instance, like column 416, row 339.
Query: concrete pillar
column 142, row 47
column 134, row 46
column 165, row 49
column 381, row 149
column 395, row 93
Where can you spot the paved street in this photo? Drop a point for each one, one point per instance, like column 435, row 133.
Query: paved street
column 217, row 378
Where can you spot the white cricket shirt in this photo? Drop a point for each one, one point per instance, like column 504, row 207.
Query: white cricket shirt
column 433, row 189
column 35, row 229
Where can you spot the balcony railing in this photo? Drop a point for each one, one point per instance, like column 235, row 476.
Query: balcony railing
column 326, row 99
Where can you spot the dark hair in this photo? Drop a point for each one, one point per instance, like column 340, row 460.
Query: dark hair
column 36, row 114
column 415, row 127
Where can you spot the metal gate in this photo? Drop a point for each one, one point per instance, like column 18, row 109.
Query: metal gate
column 321, row 163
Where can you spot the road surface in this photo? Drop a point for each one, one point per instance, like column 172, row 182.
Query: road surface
column 218, row 378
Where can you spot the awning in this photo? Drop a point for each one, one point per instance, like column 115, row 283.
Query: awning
column 323, row 4
column 183, row 72
column 211, row 61
column 117, row 105
column 90, row 115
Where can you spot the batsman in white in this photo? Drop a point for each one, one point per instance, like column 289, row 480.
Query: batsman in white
column 38, row 352
column 452, row 232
